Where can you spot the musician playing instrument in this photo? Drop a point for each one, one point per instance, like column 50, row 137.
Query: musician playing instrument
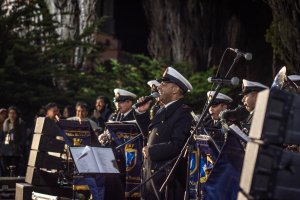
column 250, row 90
column 214, row 126
column 115, row 184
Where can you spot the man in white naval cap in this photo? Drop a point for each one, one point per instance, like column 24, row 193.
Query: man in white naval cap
column 155, row 105
column 153, row 84
column 250, row 90
column 168, row 131
column 123, row 100
column 115, row 184
column 294, row 78
column 214, row 126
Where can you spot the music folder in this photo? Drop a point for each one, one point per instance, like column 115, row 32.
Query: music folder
column 89, row 160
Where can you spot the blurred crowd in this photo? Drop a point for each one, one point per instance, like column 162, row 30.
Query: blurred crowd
column 16, row 135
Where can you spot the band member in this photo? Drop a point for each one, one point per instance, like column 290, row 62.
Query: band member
column 123, row 100
column 168, row 132
column 115, row 184
column 214, row 126
column 154, row 88
column 250, row 90
column 295, row 78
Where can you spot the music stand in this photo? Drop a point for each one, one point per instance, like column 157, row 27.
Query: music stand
column 122, row 131
column 127, row 143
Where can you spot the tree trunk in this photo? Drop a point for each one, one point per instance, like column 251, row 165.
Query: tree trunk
column 285, row 36
column 198, row 32
column 74, row 16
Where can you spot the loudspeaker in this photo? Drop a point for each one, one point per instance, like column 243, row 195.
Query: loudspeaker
column 46, row 126
column 46, row 143
column 45, row 160
column 23, row 191
column 41, row 177
column 270, row 172
column 276, row 117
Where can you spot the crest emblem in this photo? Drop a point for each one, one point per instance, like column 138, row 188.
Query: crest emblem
column 130, row 157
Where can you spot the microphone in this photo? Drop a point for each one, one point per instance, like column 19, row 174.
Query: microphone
column 247, row 55
column 226, row 81
column 147, row 98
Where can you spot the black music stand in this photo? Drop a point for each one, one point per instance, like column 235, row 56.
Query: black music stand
column 127, row 142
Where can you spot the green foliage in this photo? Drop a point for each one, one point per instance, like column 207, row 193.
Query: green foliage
column 33, row 61
column 35, row 66
column 284, row 34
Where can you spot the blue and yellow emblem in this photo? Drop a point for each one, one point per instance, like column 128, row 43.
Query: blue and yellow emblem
column 131, row 156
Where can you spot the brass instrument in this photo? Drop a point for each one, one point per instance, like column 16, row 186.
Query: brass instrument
column 205, row 136
column 282, row 82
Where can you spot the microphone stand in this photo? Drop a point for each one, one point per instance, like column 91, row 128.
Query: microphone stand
column 185, row 147
column 206, row 108
column 150, row 177
column 132, row 139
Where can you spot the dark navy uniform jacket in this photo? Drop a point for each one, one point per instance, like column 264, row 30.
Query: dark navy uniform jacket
column 168, row 132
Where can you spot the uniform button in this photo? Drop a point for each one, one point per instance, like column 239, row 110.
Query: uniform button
column 152, row 171
column 157, row 134
column 118, row 160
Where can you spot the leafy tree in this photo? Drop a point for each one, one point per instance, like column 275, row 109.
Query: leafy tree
column 33, row 60
column 36, row 66
column 284, row 33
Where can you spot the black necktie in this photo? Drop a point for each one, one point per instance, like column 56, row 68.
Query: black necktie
column 121, row 117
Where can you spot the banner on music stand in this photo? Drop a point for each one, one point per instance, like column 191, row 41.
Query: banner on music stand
column 130, row 154
column 76, row 133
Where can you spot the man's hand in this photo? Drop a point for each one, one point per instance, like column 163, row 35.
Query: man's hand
column 145, row 152
column 144, row 107
column 104, row 138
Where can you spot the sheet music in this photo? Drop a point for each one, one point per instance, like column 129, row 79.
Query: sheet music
column 84, row 160
column 94, row 160
column 106, row 161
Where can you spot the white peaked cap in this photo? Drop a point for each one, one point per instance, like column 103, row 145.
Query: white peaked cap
column 153, row 82
column 121, row 95
column 175, row 77
column 220, row 98
column 294, row 77
column 250, row 86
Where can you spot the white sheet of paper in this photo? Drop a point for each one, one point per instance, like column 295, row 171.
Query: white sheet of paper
column 94, row 159
column 105, row 159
